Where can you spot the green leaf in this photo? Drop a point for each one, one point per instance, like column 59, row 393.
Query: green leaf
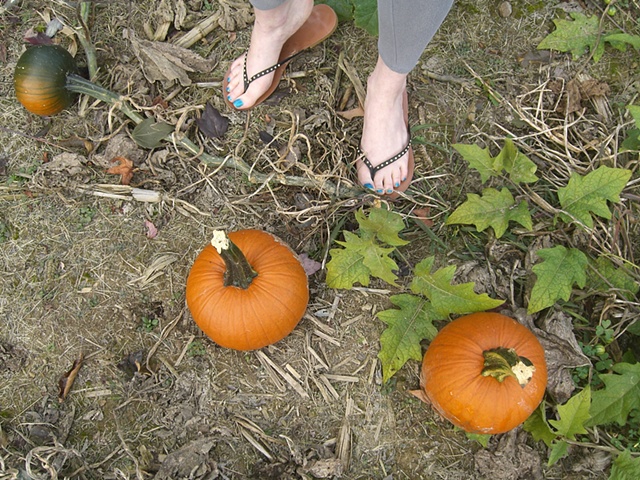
column 620, row 395
column 558, row 450
column 363, row 255
column 632, row 142
column 478, row 158
column 590, row 193
column 625, row 467
column 538, row 427
column 520, row 168
column 377, row 260
column 346, row 268
column 447, row 298
column 150, row 134
column 560, row 269
column 510, row 159
column 623, row 39
column 408, row 325
column 634, row 110
column 481, row 438
column 575, row 36
column 384, row 224
column 573, row 415
column 608, row 276
column 366, row 15
column 343, row 8
column 494, row 209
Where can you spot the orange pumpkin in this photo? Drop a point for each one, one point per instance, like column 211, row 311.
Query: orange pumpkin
column 484, row 372
column 247, row 290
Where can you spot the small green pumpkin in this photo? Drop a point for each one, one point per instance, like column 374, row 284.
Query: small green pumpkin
column 40, row 79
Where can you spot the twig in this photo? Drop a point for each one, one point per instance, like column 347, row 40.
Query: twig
column 78, row 84
column 201, row 30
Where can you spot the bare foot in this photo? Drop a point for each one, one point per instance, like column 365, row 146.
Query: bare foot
column 384, row 133
column 270, row 30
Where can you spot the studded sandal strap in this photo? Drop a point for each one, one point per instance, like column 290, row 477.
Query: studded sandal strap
column 375, row 169
column 273, row 68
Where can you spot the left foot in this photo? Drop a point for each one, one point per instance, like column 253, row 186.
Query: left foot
column 384, row 132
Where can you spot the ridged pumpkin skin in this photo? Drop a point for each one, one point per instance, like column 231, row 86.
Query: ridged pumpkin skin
column 40, row 78
column 261, row 315
column 452, row 380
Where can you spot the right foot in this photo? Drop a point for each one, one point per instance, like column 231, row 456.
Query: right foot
column 271, row 29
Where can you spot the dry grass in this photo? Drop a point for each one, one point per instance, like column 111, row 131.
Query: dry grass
column 79, row 273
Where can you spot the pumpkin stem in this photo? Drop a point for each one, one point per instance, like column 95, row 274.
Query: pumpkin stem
column 239, row 272
column 501, row 363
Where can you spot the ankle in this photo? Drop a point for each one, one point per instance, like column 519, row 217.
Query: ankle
column 278, row 20
column 384, row 83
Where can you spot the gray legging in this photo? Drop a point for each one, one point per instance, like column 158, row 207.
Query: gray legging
column 405, row 26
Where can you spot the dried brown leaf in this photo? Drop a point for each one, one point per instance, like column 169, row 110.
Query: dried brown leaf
column 353, row 113
column 124, row 169
column 168, row 63
column 66, row 381
column 212, row 123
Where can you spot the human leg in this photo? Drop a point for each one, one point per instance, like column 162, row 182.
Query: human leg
column 405, row 29
column 275, row 22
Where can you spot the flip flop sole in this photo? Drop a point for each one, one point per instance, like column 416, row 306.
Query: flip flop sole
column 411, row 162
column 321, row 23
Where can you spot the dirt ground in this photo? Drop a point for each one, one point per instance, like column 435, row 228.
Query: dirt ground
column 88, row 269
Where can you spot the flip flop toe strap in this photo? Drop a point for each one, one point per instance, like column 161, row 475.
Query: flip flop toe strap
column 375, row 169
column 271, row 69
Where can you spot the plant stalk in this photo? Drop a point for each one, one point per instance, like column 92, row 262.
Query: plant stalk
column 239, row 272
column 84, row 37
column 501, row 363
column 76, row 83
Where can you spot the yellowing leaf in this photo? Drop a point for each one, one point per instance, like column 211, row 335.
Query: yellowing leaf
column 560, row 269
column 573, row 415
column 408, row 325
column 447, row 298
column 494, row 209
column 584, row 195
column 575, row 36
column 620, row 395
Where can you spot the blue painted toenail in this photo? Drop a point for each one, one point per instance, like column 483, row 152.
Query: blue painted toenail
column 228, row 89
column 369, row 186
column 229, row 97
column 397, row 185
column 389, row 190
column 238, row 103
column 380, row 190
column 228, row 79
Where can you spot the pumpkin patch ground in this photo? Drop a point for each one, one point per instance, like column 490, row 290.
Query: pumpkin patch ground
column 103, row 372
